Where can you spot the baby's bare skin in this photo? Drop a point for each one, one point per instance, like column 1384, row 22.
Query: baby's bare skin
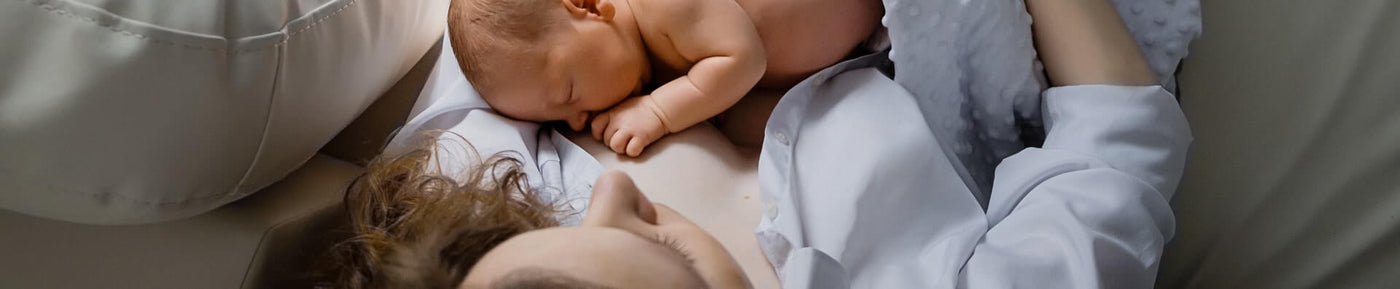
column 710, row 53
column 702, row 57
column 716, row 45
column 804, row 36
column 799, row 37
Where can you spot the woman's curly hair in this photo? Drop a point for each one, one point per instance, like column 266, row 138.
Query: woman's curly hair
column 413, row 227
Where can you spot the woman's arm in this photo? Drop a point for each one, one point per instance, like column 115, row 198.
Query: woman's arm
column 1091, row 207
column 1085, row 42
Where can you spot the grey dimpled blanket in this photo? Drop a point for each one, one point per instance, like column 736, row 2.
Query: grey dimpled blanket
column 973, row 68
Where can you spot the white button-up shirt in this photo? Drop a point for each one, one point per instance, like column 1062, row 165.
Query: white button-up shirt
column 857, row 192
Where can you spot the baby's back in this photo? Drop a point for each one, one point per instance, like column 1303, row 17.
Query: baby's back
column 801, row 37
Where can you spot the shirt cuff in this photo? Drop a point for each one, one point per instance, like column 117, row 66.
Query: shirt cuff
column 1139, row 130
column 809, row 268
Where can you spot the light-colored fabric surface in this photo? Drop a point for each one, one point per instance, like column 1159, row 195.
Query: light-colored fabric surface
column 231, row 247
column 973, row 63
column 120, row 112
column 292, row 222
column 1294, row 181
column 885, row 209
column 560, row 171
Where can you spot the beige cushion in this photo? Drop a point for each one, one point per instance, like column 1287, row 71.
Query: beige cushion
column 267, row 240
column 226, row 248
column 140, row 111
column 1294, row 178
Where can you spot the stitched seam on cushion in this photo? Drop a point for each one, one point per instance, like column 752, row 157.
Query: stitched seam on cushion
column 101, row 195
column 44, row 4
column 322, row 19
column 289, row 35
column 267, row 124
column 198, row 197
column 272, row 98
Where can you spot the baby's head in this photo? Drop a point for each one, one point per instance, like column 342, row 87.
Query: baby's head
column 549, row 60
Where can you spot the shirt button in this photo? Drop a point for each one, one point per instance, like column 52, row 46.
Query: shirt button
column 782, row 138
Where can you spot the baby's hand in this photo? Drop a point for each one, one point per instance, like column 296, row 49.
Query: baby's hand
column 629, row 126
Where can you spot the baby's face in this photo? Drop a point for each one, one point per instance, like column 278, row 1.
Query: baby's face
column 586, row 67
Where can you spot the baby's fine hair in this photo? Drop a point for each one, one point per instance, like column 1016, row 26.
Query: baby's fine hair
column 479, row 28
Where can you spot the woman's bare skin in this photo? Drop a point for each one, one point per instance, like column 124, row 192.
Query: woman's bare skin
column 700, row 173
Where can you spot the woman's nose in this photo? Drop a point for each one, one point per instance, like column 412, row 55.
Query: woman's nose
column 618, row 198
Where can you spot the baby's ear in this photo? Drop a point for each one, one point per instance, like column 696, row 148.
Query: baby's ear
column 601, row 8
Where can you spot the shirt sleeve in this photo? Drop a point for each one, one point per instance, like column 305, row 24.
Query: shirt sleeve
column 1090, row 208
column 813, row 269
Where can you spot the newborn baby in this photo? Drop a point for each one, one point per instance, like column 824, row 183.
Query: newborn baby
column 579, row 60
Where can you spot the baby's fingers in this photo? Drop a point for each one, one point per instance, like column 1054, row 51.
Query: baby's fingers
column 635, row 146
column 610, row 133
column 618, row 142
column 600, row 124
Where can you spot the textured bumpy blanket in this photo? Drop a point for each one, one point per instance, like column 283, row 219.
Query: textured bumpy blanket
column 974, row 69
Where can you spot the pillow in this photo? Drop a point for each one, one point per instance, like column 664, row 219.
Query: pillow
column 121, row 112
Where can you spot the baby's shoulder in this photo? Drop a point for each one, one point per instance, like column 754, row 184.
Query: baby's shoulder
column 662, row 14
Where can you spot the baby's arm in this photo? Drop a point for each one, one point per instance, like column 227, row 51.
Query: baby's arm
column 728, row 55
column 722, row 42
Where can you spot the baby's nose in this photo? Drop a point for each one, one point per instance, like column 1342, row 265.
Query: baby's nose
column 578, row 122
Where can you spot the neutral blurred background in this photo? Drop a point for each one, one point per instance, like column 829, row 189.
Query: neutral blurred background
column 1294, row 178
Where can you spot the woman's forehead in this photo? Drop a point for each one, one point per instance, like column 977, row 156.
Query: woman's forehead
column 607, row 256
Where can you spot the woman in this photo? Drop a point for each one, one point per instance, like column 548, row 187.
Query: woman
column 1086, row 210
